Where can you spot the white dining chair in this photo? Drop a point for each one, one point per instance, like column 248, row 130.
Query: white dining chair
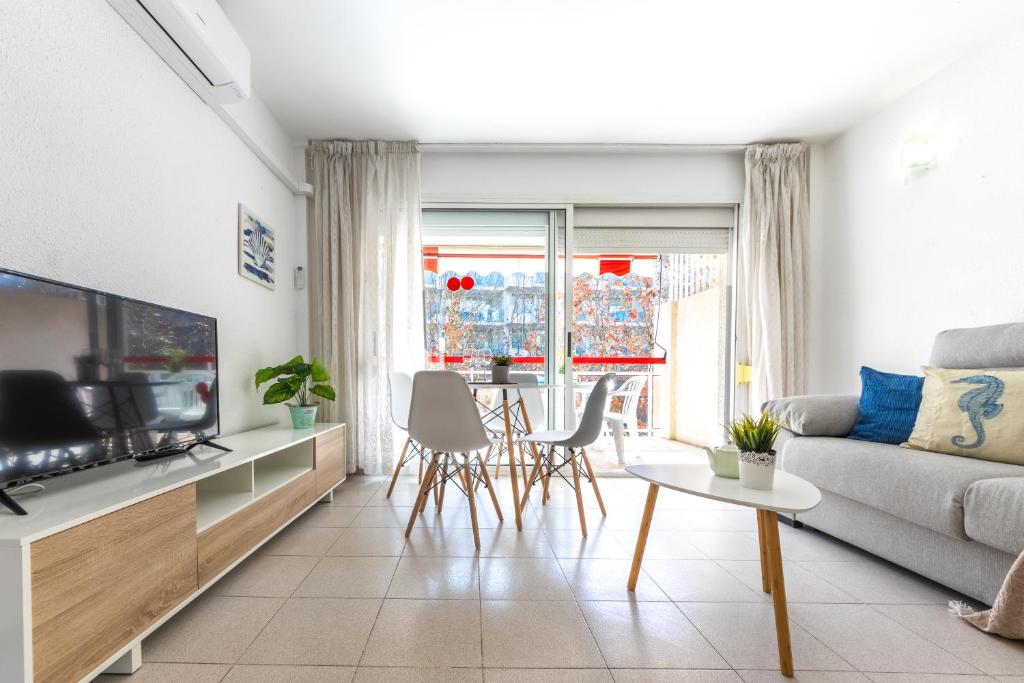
column 400, row 388
column 573, row 447
column 528, row 392
column 444, row 420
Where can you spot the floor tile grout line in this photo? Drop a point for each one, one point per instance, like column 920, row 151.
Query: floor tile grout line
column 873, row 607
column 706, row 639
column 376, row 618
column 480, row 604
column 283, row 602
column 579, row 608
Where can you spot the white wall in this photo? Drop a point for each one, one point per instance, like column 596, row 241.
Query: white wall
column 583, row 177
column 116, row 176
column 894, row 262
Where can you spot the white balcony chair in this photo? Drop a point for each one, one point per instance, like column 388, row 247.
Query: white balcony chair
column 400, row 388
column 444, row 420
column 627, row 419
column 573, row 446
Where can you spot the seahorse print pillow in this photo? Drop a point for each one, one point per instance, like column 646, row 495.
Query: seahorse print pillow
column 972, row 413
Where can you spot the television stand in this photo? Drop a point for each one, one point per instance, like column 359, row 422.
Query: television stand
column 11, row 504
column 179, row 451
column 117, row 550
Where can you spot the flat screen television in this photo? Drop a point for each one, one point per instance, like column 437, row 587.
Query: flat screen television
column 88, row 378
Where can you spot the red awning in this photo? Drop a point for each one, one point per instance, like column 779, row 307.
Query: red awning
column 614, row 266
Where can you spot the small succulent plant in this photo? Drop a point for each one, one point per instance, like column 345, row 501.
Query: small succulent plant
column 755, row 436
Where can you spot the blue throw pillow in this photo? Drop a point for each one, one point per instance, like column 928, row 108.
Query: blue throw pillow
column 888, row 406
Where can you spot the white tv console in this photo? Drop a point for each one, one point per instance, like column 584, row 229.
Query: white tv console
column 107, row 555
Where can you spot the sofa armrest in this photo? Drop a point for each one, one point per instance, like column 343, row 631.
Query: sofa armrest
column 816, row 415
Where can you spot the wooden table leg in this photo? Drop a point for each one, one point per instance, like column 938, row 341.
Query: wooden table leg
column 766, row 568
column 641, row 539
column 778, row 584
column 528, row 484
column 511, row 459
column 529, row 430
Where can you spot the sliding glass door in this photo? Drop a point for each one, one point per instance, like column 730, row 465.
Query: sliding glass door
column 573, row 293
column 651, row 303
column 488, row 290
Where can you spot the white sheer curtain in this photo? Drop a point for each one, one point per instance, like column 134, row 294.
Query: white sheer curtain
column 772, row 241
column 366, row 304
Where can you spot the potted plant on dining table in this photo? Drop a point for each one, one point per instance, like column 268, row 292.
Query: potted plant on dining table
column 500, row 367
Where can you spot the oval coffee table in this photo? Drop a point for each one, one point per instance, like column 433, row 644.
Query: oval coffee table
column 791, row 494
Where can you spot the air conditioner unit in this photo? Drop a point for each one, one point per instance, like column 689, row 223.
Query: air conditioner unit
column 196, row 39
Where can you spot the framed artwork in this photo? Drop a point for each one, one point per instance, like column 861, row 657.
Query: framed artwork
column 255, row 248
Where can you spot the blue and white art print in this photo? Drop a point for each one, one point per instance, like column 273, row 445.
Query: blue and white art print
column 256, row 253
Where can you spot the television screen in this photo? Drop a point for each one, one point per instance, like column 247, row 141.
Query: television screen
column 87, row 378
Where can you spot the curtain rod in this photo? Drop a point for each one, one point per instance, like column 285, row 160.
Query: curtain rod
column 581, row 148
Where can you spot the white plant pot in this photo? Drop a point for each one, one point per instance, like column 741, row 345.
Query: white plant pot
column 499, row 374
column 757, row 470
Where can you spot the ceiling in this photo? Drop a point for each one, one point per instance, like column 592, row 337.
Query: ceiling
column 599, row 71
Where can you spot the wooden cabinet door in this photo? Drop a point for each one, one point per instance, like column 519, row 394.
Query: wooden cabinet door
column 226, row 541
column 100, row 584
column 330, row 459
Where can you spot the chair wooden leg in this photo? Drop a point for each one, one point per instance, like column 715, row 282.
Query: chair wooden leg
column 497, row 463
column 593, row 481
column 472, row 502
column 579, row 491
column 522, row 460
column 762, row 542
column 641, row 537
column 430, row 477
column 421, row 499
column 546, row 481
column 486, row 459
column 419, row 478
column 490, row 488
column 398, row 465
column 534, row 473
column 444, row 482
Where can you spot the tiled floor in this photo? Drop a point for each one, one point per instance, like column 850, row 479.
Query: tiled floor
column 342, row 596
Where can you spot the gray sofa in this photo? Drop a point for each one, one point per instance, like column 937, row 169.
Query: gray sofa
column 955, row 520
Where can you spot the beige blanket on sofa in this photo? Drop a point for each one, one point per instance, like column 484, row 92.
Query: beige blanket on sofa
column 1006, row 618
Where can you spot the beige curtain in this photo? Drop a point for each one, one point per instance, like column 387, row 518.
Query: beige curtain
column 772, row 242
column 366, row 305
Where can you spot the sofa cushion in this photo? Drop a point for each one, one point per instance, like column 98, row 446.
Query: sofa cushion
column 925, row 488
column 972, row 413
column 994, row 513
column 816, row 415
column 888, row 406
column 993, row 346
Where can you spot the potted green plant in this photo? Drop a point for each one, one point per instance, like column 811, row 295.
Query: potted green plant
column 299, row 380
column 756, row 441
column 500, row 366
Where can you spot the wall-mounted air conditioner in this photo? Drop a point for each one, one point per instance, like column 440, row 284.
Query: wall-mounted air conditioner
column 196, row 39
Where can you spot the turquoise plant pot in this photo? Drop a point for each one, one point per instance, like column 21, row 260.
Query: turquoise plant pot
column 303, row 417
